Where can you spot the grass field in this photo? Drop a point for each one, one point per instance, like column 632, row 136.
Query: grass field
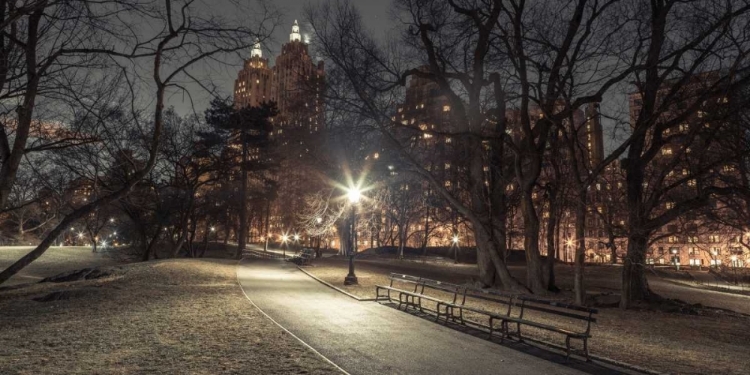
column 713, row 341
column 180, row 316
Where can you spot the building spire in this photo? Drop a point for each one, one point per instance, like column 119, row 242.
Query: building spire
column 294, row 36
column 256, row 52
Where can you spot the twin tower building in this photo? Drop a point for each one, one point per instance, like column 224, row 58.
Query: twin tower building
column 295, row 83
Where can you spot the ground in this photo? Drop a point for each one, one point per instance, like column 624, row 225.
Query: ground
column 53, row 261
column 170, row 316
column 715, row 341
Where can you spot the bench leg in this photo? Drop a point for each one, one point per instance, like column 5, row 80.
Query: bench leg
column 518, row 331
column 567, row 348
column 492, row 327
column 437, row 312
column 586, row 348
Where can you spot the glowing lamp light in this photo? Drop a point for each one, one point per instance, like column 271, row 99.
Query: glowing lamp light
column 319, row 219
column 569, row 242
column 455, row 239
column 734, row 258
column 284, row 238
column 80, row 235
column 296, row 237
column 354, row 195
column 213, row 229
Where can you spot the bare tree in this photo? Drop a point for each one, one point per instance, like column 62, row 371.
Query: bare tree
column 185, row 36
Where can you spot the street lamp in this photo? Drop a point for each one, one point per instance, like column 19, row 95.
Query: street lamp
column 454, row 240
column 354, row 195
column 284, row 239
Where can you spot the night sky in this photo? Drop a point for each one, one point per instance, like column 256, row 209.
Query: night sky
column 375, row 14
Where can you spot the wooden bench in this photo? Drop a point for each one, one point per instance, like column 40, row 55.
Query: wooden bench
column 413, row 297
column 515, row 309
column 304, row 257
column 575, row 313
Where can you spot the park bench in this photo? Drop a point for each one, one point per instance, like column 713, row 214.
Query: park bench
column 413, row 296
column 579, row 316
column 304, row 257
column 518, row 310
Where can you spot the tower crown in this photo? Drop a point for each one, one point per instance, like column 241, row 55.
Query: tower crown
column 256, row 52
column 295, row 36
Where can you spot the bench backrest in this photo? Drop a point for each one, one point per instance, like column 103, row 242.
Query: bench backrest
column 504, row 299
column 559, row 308
column 420, row 283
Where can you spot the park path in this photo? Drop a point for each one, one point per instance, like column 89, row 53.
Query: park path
column 369, row 338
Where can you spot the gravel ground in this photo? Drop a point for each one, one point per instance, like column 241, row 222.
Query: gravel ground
column 178, row 316
column 713, row 342
column 54, row 261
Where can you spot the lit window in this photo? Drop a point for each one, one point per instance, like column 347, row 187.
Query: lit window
column 728, row 168
column 714, row 238
column 447, row 183
column 666, row 151
column 446, row 108
column 691, row 182
column 447, row 166
column 447, row 140
column 670, row 205
column 377, row 155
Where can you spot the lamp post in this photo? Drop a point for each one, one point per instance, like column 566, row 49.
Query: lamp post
column 454, row 240
column 284, row 239
column 734, row 268
column 319, row 220
column 354, row 196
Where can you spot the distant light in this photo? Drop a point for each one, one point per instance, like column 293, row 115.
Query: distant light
column 80, row 234
column 455, row 239
column 319, row 220
column 296, row 237
column 284, row 238
column 213, row 229
column 569, row 242
column 111, row 220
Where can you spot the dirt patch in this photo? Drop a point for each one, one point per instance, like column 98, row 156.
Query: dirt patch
column 682, row 336
column 173, row 316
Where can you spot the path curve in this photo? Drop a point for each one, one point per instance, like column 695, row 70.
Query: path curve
column 368, row 338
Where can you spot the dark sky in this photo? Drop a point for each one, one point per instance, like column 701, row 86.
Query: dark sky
column 374, row 12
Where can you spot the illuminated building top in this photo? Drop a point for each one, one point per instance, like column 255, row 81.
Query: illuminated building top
column 295, row 36
column 256, row 52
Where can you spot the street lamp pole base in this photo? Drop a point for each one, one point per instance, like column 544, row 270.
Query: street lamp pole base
column 351, row 280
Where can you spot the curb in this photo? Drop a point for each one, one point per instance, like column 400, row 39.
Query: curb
column 334, row 287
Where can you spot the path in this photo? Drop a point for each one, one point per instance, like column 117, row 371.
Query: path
column 368, row 338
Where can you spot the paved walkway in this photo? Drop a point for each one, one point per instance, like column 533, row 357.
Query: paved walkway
column 369, row 338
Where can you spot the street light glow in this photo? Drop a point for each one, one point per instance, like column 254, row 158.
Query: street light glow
column 319, row 219
column 296, row 237
column 284, row 238
column 354, row 194
column 455, row 239
column 213, row 229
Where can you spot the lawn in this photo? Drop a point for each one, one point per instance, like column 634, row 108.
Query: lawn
column 713, row 341
column 55, row 260
column 171, row 316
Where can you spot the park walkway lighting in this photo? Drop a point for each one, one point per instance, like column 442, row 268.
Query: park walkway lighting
column 354, row 194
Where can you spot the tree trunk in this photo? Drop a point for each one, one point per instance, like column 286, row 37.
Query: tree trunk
column 580, row 253
column 551, row 231
column 242, row 233
column 492, row 268
column 150, row 246
column 534, row 274
column 634, row 283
